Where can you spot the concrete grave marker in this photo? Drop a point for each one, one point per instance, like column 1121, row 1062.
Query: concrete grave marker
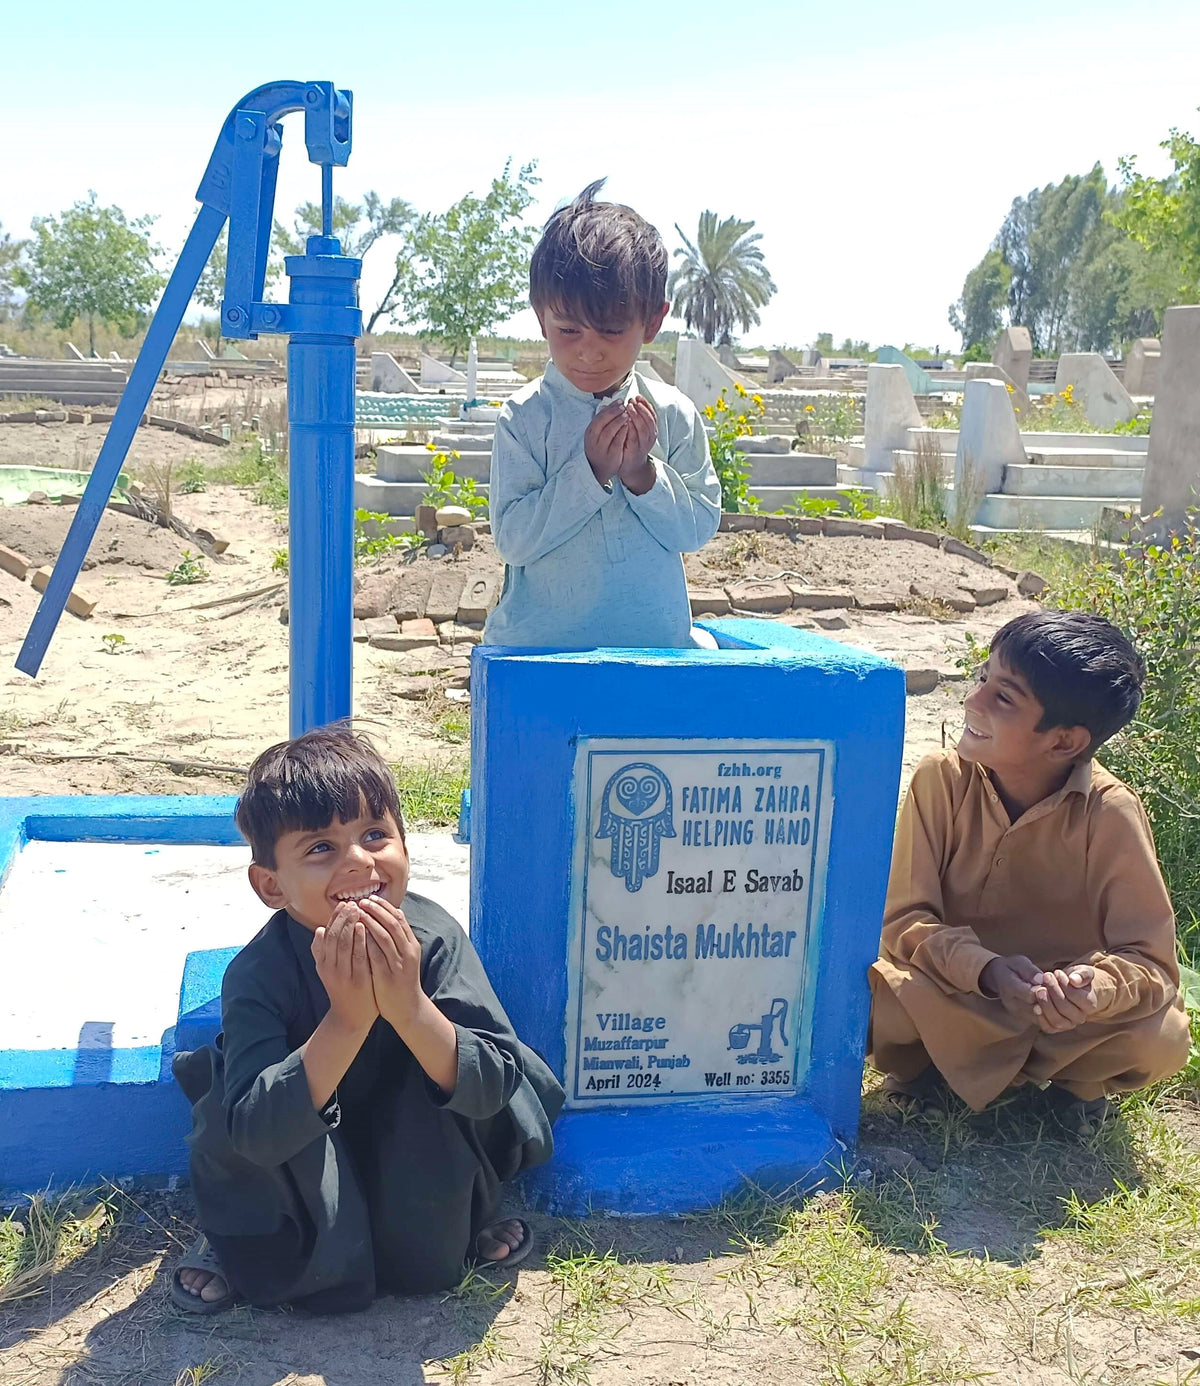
column 1141, row 366
column 678, row 865
column 1012, row 353
column 1105, row 400
column 1172, row 481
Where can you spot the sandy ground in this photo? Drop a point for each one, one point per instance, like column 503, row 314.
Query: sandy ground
column 193, row 693
column 182, row 664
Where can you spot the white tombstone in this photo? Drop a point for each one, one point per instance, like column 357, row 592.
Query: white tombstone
column 389, row 377
column 780, row 368
column 988, row 370
column 435, row 372
column 1172, row 480
column 472, row 372
column 890, row 412
column 1012, row 353
column 700, row 374
column 1105, row 400
column 1141, row 366
column 989, row 440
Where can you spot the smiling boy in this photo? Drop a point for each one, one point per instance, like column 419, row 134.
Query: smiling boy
column 367, row 1095
column 601, row 476
column 1028, row 936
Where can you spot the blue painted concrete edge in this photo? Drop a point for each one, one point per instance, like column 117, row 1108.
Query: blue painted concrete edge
column 67, row 1115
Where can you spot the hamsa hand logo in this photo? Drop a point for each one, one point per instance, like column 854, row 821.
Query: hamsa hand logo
column 635, row 813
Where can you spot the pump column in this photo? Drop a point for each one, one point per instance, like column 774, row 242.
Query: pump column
column 321, row 487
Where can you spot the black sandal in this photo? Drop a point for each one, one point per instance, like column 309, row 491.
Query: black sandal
column 482, row 1264
column 200, row 1256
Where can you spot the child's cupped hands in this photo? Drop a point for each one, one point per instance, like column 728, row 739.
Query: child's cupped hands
column 604, row 441
column 1065, row 998
column 339, row 950
column 395, row 960
column 637, row 470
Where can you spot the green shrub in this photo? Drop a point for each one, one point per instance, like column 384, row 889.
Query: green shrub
column 1154, row 596
column 729, row 462
column 192, row 477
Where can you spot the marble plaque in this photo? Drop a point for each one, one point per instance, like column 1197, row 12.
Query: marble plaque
column 698, row 884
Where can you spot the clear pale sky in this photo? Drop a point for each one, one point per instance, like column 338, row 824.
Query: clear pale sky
column 876, row 145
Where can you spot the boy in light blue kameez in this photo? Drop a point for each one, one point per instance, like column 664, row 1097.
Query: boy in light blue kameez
column 601, row 477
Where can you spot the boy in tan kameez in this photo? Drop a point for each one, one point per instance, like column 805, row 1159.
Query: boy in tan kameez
column 1028, row 936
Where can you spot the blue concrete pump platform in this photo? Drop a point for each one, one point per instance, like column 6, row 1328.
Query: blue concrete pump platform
column 534, row 714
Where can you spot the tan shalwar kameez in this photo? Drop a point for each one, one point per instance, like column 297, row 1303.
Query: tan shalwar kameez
column 1074, row 880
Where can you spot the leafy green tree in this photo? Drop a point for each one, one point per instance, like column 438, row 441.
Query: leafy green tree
column 91, row 262
column 358, row 226
column 722, row 280
column 1163, row 214
column 211, row 288
column 979, row 312
column 10, row 255
column 465, row 270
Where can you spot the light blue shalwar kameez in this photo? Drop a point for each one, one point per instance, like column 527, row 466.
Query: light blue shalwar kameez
column 587, row 564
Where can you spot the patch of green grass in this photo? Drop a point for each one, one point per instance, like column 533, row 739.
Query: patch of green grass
column 47, row 1233
column 208, row 1370
column 430, row 791
column 465, row 1365
column 255, row 467
column 189, row 569
column 1057, row 560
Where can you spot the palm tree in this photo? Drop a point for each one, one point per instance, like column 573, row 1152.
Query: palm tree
column 722, row 280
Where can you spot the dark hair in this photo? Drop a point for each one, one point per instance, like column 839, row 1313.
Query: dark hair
column 304, row 784
column 599, row 260
column 1080, row 667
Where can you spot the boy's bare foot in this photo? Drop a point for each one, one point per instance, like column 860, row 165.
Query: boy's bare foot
column 501, row 1239
column 912, row 1095
column 503, row 1243
column 204, row 1284
column 199, row 1285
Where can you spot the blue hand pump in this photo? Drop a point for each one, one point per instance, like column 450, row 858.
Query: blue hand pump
column 322, row 321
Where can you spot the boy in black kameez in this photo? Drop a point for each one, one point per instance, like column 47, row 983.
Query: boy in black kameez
column 367, row 1095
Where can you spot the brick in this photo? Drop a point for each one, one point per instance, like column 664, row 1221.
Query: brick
column 79, row 605
column 13, row 562
column 734, row 524
column 374, row 598
column 429, row 659
column 710, row 600
column 419, row 626
column 1031, row 584
column 379, row 625
column 359, row 628
column 955, row 598
column 407, row 639
column 985, row 595
column 411, row 594
column 454, row 536
column 780, row 524
column 426, row 520
column 961, row 550
column 819, row 598
column 759, row 596
column 415, row 687
column 876, row 599
column 830, row 620
column 918, row 681
column 808, row 524
column 451, row 633
column 444, row 594
column 857, row 529
column 893, row 529
column 479, row 595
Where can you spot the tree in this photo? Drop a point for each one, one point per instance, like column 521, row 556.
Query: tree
column 358, row 227
column 978, row 314
column 722, row 280
column 1163, row 215
column 465, row 270
column 10, row 255
column 91, row 262
column 210, row 290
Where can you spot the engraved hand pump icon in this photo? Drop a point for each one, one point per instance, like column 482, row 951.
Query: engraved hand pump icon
column 739, row 1035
